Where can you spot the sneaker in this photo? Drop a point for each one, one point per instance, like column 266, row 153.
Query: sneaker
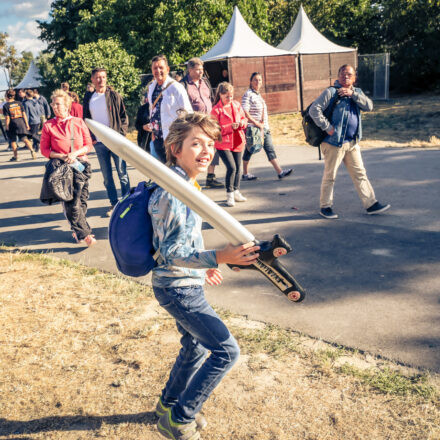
column 161, row 409
column 110, row 211
column 248, row 177
column 177, row 431
column 90, row 240
column 238, row 196
column 230, row 199
column 13, row 159
column 212, row 182
column 285, row 173
column 328, row 213
column 377, row 208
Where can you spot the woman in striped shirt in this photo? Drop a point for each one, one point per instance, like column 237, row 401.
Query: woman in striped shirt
column 255, row 110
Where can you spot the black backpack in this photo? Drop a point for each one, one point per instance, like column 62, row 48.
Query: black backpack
column 314, row 135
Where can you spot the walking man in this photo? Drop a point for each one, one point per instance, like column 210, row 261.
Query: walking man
column 201, row 96
column 166, row 97
column 107, row 106
column 344, row 131
column 34, row 112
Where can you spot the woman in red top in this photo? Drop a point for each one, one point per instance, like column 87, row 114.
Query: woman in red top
column 233, row 122
column 57, row 138
column 76, row 108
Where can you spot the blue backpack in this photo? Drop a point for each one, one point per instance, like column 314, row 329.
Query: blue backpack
column 131, row 232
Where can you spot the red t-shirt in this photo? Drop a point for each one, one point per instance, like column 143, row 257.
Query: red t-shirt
column 76, row 110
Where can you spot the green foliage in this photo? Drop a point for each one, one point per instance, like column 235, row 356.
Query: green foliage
column 412, row 35
column 78, row 64
column 409, row 29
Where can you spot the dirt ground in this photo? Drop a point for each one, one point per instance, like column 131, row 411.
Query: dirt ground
column 84, row 354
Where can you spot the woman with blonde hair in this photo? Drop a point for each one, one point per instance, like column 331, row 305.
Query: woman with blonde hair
column 66, row 138
column 230, row 115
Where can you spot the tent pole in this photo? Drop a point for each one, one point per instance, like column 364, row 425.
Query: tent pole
column 301, row 78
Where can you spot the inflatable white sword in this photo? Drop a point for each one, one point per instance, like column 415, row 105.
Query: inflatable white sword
column 217, row 217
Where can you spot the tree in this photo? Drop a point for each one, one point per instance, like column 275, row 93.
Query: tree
column 8, row 59
column 60, row 30
column 412, row 36
column 180, row 29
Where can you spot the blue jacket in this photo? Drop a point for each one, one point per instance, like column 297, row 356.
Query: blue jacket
column 34, row 110
column 43, row 101
column 341, row 112
column 177, row 234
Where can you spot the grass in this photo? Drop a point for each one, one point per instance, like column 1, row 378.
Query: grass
column 409, row 121
column 84, row 354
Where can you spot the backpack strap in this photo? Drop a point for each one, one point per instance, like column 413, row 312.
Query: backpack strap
column 160, row 94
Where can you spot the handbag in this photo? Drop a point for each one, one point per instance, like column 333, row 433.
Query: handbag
column 255, row 137
column 254, row 142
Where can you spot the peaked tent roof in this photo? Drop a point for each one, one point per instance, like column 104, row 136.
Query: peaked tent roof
column 31, row 80
column 306, row 39
column 239, row 40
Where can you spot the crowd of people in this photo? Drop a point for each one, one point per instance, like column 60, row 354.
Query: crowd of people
column 189, row 127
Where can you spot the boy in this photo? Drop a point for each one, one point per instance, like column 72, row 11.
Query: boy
column 178, row 283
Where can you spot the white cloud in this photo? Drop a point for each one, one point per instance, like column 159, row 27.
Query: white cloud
column 23, row 35
column 37, row 9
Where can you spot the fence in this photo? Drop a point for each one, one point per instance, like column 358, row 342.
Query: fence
column 373, row 74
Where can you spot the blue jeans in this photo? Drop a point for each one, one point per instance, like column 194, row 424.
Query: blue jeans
column 104, row 158
column 193, row 377
column 157, row 150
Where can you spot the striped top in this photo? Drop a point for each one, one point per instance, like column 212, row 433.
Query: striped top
column 253, row 103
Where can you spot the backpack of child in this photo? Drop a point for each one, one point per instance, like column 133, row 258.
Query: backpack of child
column 131, row 232
column 314, row 135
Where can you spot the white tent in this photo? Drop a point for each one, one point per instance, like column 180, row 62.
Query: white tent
column 239, row 40
column 304, row 38
column 31, row 80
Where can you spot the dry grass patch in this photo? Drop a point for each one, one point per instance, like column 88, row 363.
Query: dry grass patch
column 410, row 121
column 84, row 354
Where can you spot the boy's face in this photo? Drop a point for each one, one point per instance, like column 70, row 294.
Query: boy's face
column 196, row 153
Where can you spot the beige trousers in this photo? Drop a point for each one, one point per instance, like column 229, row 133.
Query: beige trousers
column 350, row 154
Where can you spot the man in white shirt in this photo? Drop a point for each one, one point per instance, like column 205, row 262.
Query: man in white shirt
column 107, row 106
column 166, row 97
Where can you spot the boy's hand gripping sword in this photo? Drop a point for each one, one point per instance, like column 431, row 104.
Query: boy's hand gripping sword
column 217, row 217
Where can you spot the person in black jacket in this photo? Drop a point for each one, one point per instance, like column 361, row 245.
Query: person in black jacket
column 107, row 106
column 143, row 118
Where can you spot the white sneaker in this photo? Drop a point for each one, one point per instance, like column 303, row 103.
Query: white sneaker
column 239, row 197
column 230, row 199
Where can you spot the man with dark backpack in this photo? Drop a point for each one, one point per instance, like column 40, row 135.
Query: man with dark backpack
column 341, row 143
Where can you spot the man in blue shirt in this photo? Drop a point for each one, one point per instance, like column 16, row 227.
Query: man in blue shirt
column 344, row 131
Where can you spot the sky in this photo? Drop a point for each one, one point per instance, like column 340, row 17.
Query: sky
column 18, row 19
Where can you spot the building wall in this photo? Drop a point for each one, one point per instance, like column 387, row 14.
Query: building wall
column 320, row 71
column 279, row 80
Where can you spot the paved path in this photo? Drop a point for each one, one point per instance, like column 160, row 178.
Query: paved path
column 373, row 281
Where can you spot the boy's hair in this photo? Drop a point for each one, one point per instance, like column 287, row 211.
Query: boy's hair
column 181, row 126
column 223, row 88
column 10, row 94
column 60, row 93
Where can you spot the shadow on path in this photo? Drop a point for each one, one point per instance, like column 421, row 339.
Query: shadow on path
column 71, row 423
